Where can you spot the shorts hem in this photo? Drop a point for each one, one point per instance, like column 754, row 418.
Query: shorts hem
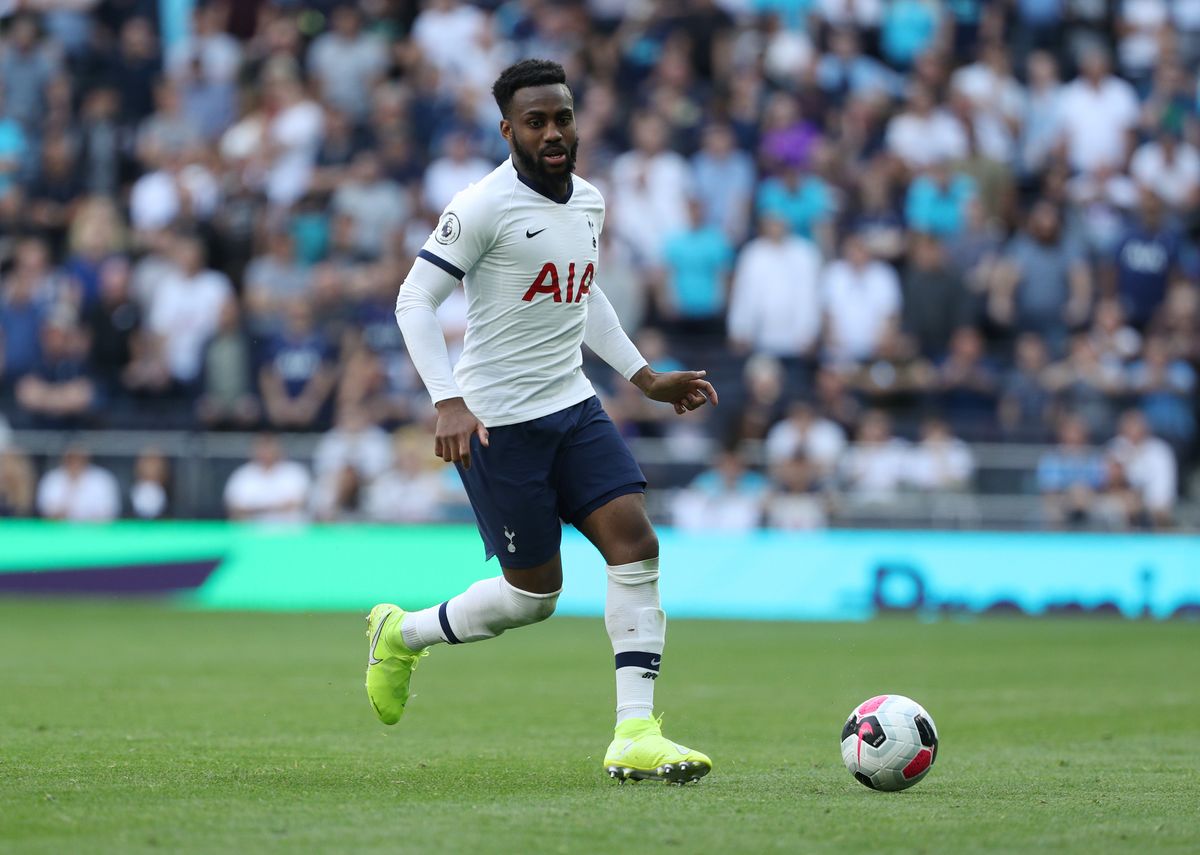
column 582, row 513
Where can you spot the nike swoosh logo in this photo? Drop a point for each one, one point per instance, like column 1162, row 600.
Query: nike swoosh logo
column 656, row 661
column 530, row 234
column 371, row 660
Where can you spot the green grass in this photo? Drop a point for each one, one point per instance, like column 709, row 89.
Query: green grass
column 127, row 728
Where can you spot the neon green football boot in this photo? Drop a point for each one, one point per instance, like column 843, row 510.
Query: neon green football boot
column 389, row 663
column 640, row 752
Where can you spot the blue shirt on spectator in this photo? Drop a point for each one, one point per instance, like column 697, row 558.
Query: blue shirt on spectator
column 722, row 183
column 1060, row 470
column 20, row 324
column 698, row 260
column 298, row 359
column 12, row 148
column 938, row 210
column 908, row 29
column 793, row 13
column 1144, row 260
column 804, row 207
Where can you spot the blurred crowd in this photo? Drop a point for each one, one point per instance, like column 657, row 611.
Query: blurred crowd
column 891, row 229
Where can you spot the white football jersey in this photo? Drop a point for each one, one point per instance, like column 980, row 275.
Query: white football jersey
column 527, row 263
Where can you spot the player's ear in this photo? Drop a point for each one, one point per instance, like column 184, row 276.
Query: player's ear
column 506, row 129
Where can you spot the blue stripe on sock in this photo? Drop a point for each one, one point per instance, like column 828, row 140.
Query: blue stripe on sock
column 638, row 659
column 445, row 621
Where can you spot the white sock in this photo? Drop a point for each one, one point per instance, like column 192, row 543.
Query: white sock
column 484, row 610
column 638, row 629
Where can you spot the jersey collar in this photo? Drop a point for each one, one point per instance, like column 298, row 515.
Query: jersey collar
column 536, row 189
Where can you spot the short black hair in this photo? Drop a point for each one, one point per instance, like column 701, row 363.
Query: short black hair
column 527, row 72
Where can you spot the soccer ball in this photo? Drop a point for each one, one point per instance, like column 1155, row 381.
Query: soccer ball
column 889, row 742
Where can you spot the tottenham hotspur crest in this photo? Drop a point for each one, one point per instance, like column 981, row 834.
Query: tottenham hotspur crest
column 510, row 535
column 592, row 227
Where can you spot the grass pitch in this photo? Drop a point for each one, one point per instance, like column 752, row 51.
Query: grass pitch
column 136, row 728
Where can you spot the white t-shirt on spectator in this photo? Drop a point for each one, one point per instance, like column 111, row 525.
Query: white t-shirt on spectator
column 940, row 465
column 648, row 200
column 823, row 442
column 1095, row 121
column 296, row 131
column 776, row 302
column 220, row 57
column 92, row 497
column 1138, row 48
column 259, row 491
column 446, row 177
column 346, row 69
column 369, row 451
column 1174, row 182
column 876, row 471
column 446, row 37
column 154, row 201
column 185, row 311
column 997, row 101
column 923, row 140
column 398, row 497
column 858, row 305
column 1150, row 467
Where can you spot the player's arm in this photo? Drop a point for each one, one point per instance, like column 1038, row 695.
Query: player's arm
column 425, row 288
column 685, row 390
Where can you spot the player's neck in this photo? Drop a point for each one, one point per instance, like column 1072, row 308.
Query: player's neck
column 555, row 190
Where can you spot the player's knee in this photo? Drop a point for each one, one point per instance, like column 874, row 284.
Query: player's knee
column 526, row 607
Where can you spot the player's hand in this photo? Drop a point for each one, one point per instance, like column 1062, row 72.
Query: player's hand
column 452, row 436
column 684, row 390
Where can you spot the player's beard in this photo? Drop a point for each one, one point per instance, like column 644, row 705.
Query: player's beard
column 531, row 164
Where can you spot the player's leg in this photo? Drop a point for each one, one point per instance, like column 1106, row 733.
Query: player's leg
column 519, row 523
column 601, row 492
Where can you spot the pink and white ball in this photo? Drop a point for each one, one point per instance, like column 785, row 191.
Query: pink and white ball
column 889, row 742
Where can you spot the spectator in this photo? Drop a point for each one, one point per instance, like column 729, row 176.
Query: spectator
column 995, row 100
column 27, row 65
column 1165, row 386
column 1115, row 342
column 897, row 378
column 268, row 487
column 227, row 398
column 353, row 442
column 13, row 151
column 291, row 134
column 443, row 28
column 59, row 392
column 135, row 68
column 805, row 433
column 347, row 62
column 803, row 200
column 776, row 302
column 21, row 318
column 936, row 301
column 78, row 491
column 967, row 382
column 169, row 131
column 862, row 299
column 413, row 488
column 150, row 494
column 844, row 70
column 1097, row 116
column 179, row 190
column 909, row 28
column 185, row 309
column 1145, row 260
column 724, row 176
column 874, row 468
column 925, row 133
column 650, row 189
column 763, row 379
column 53, row 196
column 1085, row 384
column 446, row 175
column 695, row 282
column 1071, row 476
column 1026, row 401
column 1043, row 284
column 937, row 200
column 272, row 281
column 297, row 376
column 1169, row 167
column 795, row 502
column 1150, row 466
column 16, row 483
column 113, row 320
column 726, row 497
column 377, row 207
column 940, row 462
column 1040, row 128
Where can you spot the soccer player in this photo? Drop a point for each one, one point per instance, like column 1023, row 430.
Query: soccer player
column 523, row 425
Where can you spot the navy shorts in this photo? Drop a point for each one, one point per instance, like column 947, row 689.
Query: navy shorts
column 532, row 474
